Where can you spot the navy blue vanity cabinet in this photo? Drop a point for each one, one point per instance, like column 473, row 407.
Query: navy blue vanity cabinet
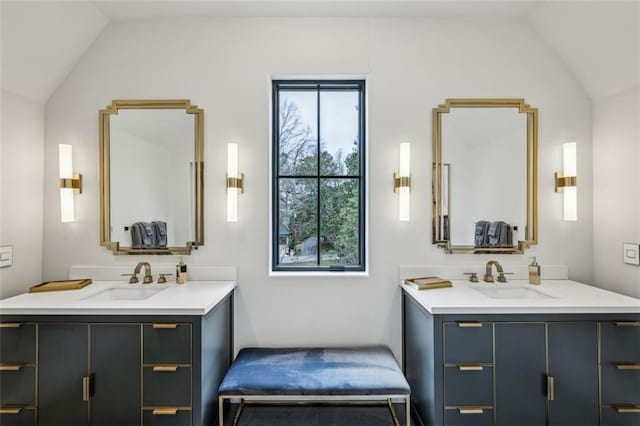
column 517, row 369
column 114, row 369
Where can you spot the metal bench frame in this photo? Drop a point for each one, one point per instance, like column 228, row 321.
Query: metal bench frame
column 317, row 400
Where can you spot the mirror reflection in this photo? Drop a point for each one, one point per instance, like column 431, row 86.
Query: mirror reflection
column 485, row 186
column 151, row 160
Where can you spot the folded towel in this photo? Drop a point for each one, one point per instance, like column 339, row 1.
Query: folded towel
column 160, row 231
column 495, row 230
column 480, row 238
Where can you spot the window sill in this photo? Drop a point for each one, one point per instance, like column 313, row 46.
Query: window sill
column 320, row 274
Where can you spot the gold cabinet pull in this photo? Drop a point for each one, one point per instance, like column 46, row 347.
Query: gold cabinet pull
column 164, row 325
column 166, row 411
column 470, row 410
column 468, row 324
column 10, row 325
column 626, row 409
column 627, row 365
column 551, row 391
column 627, row 323
column 86, row 381
column 10, row 410
column 10, row 367
column 470, row 367
column 165, row 368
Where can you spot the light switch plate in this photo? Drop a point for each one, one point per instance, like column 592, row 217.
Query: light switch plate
column 6, row 256
column 631, row 253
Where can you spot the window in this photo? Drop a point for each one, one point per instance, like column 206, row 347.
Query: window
column 318, row 176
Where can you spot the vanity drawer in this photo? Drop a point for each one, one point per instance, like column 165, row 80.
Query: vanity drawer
column 167, row 343
column 167, row 388
column 17, row 343
column 621, row 416
column 620, row 341
column 620, row 386
column 467, row 385
column 161, row 418
column 468, row 416
column 18, row 387
column 24, row 417
column 468, row 342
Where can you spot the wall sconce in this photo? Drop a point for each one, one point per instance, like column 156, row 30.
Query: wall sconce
column 234, row 182
column 567, row 180
column 69, row 183
column 402, row 182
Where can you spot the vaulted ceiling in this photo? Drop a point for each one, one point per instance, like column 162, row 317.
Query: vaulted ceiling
column 42, row 41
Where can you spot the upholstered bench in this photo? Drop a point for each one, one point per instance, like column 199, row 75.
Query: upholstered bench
column 315, row 375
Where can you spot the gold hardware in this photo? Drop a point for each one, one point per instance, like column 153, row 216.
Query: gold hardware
column 74, row 183
column 551, row 392
column 236, row 182
column 627, row 323
column 473, row 276
column 11, row 367
column 85, row 388
column 10, row 410
column 470, row 410
column 10, row 325
column 165, row 368
column 165, row 411
column 401, row 182
column 469, row 324
column 627, row 365
column 163, row 278
column 105, row 172
column 627, row 408
column 488, row 276
column 164, row 325
column 470, row 367
column 564, row 181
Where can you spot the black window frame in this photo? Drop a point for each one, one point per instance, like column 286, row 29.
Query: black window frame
column 319, row 86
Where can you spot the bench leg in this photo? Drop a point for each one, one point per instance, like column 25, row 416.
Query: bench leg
column 236, row 418
column 392, row 410
column 407, row 407
column 220, row 411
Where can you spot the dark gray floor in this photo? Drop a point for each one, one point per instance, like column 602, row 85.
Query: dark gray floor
column 323, row 415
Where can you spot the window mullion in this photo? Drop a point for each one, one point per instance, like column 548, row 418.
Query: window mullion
column 318, row 178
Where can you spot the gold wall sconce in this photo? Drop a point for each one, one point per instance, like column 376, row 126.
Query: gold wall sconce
column 235, row 182
column 402, row 182
column 70, row 183
column 566, row 181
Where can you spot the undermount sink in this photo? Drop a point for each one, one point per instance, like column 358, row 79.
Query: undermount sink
column 512, row 293
column 126, row 293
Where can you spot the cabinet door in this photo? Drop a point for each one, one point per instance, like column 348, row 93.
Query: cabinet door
column 63, row 362
column 573, row 364
column 520, row 374
column 115, row 368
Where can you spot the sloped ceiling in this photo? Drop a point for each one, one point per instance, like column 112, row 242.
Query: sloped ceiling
column 42, row 41
column 600, row 41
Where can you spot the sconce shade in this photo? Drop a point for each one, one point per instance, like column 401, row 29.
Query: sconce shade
column 234, row 182
column 69, row 183
column 567, row 180
column 402, row 182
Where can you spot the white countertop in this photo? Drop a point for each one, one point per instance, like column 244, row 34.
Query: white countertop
column 193, row 298
column 566, row 297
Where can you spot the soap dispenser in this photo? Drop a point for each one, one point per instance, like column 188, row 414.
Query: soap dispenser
column 534, row 271
column 181, row 272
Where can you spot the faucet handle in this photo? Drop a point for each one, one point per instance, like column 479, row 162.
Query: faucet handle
column 133, row 279
column 163, row 278
column 473, row 276
column 501, row 276
column 148, row 279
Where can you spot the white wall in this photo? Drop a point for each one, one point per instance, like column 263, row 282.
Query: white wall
column 616, row 193
column 225, row 66
column 22, row 151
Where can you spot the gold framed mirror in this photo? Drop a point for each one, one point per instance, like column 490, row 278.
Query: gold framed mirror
column 485, row 175
column 151, row 176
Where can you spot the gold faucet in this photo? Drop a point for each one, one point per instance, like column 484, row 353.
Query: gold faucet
column 148, row 278
column 488, row 276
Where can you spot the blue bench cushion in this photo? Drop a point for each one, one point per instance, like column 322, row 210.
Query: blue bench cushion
column 315, row 371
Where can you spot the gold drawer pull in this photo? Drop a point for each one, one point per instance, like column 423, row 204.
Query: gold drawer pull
column 627, row 408
column 164, row 326
column 85, row 388
column 470, row 410
column 470, row 367
column 10, row 325
column 10, row 410
column 169, row 411
column 627, row 323
column 10, row 367
column 468, row 324
column 628, row 365
column 165, row 368
column 551, row 389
